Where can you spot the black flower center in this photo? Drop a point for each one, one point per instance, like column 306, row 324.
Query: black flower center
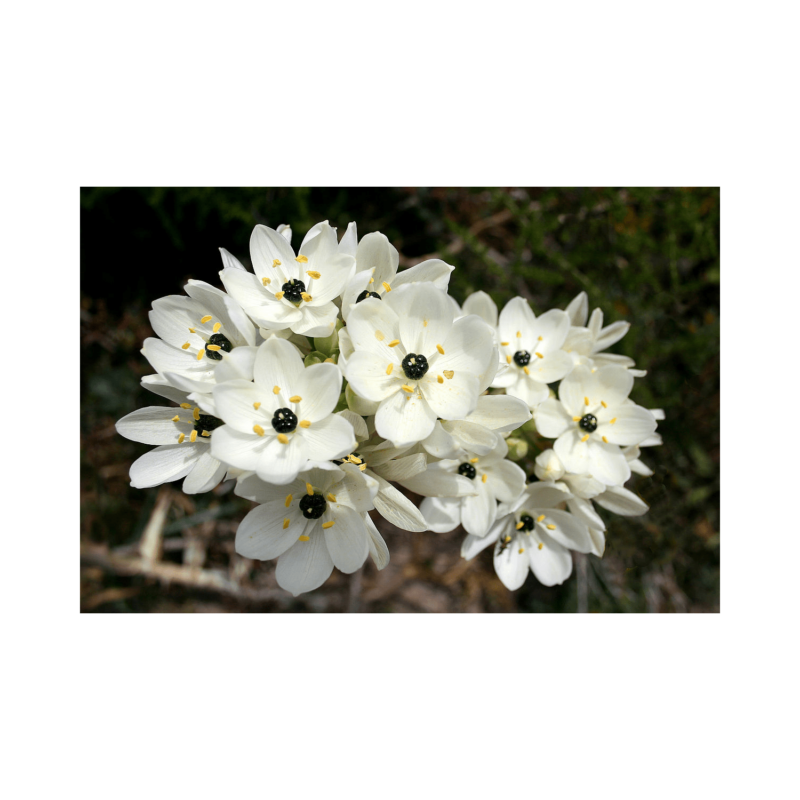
column 293, row 290
column 527, row 522
column 365, row 294
column 207, row 423
column 588, row 423
column 220, row 341
column 415, row 366
column 313, row 506
column 284, row 420
column 468, row 470
column 522, row 358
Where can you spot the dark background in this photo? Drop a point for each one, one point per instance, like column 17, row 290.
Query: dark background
column 650, row 256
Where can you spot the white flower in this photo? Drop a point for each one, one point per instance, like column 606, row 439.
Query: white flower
column 289, row 291
column 531, row 347
column 376, row 272
column 591, row 419
column 316, row 522
column 200, row 334
column 533, row 533
column 275, row 424
column 412, row 359
column 482, row 305
column 183, row 435
column 493, row 477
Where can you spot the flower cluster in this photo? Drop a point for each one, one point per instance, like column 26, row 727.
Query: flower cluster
column 323, row 377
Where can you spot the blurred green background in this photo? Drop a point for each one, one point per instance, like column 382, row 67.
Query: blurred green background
column 647, row 255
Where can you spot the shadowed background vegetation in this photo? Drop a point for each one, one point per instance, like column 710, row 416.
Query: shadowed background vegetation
column 649, row 256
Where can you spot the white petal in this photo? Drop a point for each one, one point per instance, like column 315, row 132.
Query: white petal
column 153, row 425
column 205, row 474
column 237, row 449
column 544, row 494
column 610, row 335
column 622, row 501
column 366, row 373
column 229, row 261
column 424, row 314
column 163, row 388
column 453, row 398
column 235, row 404
column 569, row 532
column 434, row 271
column 357, row 421
column 512, row 566
column 517, row 317
column 395, row 507
column 245, row 288
column 578, row 309
column 166, row 463
column 552, row 419
column 404, row 419
column 172, row 317
column 261, row 534
column 235, row 324
column 320, row 386
column 267, row 245
column 500, row 412
column 405, row 467
column 479, row 511
column 440, row 480
column 552, row 564
column 375, row 250
column 473, row 545
column 612, row 384
column 316, row 320
column 278, row 364
column 377, row 546
column 371, row 325
column 469, row 348
column 346, row 539
column 441, row 443
column 305, row 565
column 632, row 425
column 584, row 511
column 472, row 436
column 553, row 367
column 442, row 514
column 480, row 304
column 279, row 463
column 505, row 480
column 329, row 438
column 349, row 243
column 529, row 391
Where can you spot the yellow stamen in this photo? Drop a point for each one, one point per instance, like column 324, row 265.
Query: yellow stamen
column 586, row 401
column 176, row 418
column 265, row 281
column 213, row 347
column 288, row 500
column 363, row 467
column 295, row 398
column 386, row 287
column 279, row 295
column 185, row 346
column 181, row 438
column 473, row 460
column 508, row 359
column 258, row 429
column 538, row 355
column 303, row 538
column 193, row 436
column 389, row 369
column 309, row 489
column 329, row 524
column 379, row 335
column 186, row 405
column 191, row 330
column 613, row 421
column 448, row 373
column 550, row 527
column 577, row 419
column 283, row 438
column 505, row 344
column 604, row 404
column 200, row 354
column 275, row 263
column 205, row 433
column 439, row 379
column 605, row 440
column 312, row 273
column 424, row 323
column 302, row 259
column 285, row 523
column 306, row 296
column 331, row 497
column 540, row 338
column 256, row 406
column 304, row 423
column 372, row 280
column 507, row 539
column 541, row 545
column 355, row 459
column 217, row 326
column 276, row 389
column 440, row 349
column 585, row 438
column 394, row 343
column 520, row 526
column 206, row 318
column 484, row 477
column 540, row 518
column 519, row 334
column 406, row 388
column 196, row 414
column 521, row 550
column 526, row 370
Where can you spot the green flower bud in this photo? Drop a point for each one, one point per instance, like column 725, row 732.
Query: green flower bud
column 517, row 448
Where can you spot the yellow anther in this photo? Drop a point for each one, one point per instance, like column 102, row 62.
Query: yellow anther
column 309, row 489
column 363, row 467
column 329, row 361
column 372, row 280
column 276, row 389
column 520, row 526
column 213, row 347
column 508, row 359
column 191, row 330
column 541, row 545
column 331, row 497
column 295, row 398
column 406, row 388
column 484, row 477
column 585, row 438
column 389, row 369
column 185, row 346
column 526, row 370
column 604, row 404
column 379, row 335
column 196, row 414
column 586, row 401
column 507, row 539
column 519, row 334
column 258, row 429
column 440, row 349
column 302, row 259
column 521, row 550
column 424, row 323
column 577, row 419
column 439, row 379
column 288, row 500
column 605, row 440
column 283, row 438
column 394, row 343
column 256, row 406
column 356, row 459
column 275, row 263
column 473, row 460
column 205, row 433
column 305, row 423
column 217, row 326
column 550, row 527
column 540, row 517
column 306, row 296
column 176, row 418
column 206, row 318
column 200, row 354
column 505, row 344
column 285, row 523
column 303, row 538
column 181, row 438
column 279, row 295
column 538, row 355
column 448, row 373
column 329, row 524
column 613, row 421
column 186, row 405
column 193, row 436
column 386, row 287
column 312, row 273
column 265, row 281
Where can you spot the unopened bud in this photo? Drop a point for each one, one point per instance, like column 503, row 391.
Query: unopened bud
column 548, row 467
column 517, row 448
